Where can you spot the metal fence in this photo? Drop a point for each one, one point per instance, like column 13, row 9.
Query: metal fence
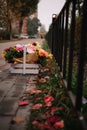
column 67, row 38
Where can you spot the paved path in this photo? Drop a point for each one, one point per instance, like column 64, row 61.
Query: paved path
column 12, row 91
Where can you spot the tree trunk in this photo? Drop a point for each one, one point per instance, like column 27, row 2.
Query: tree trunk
column 10, row 30
column 20, row 27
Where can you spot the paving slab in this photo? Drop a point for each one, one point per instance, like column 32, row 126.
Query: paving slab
column 4, row 75
column 23, row 113
column 5, row 86
column 5, row 122
column 8, row 107
column 12, row 89
column 16, row 91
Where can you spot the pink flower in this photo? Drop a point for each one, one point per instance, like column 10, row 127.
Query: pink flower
column 42, row 53
column 48, row 104
column 48, row 98
column 37, row 106
column 19, row 47
column 59, row 124
column 6, row 49
column 31, row 48
column 35, row 91
column 35, row 122
column 42, row 80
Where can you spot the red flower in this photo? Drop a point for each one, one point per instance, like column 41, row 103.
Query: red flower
column 47, row 114
column 48, row 98
column 54, row 118
column 47, row 127
column 59, row 124
column 48, row 104
column 37, row 106
column 53, row 109
column 38, row 124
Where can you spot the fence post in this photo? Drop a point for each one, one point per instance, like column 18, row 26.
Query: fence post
column 53, row 19
column 71, row 49
column 66, row 40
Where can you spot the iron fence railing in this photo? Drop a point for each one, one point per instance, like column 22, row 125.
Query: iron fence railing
column 67, row 38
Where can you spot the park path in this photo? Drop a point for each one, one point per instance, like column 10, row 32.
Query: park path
column 12, row 90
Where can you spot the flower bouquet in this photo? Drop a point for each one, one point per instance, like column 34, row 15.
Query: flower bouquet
column 34, row 54
column 12, row 52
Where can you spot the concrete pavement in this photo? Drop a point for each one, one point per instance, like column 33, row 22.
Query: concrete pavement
column 3, row 65
column 12, row 91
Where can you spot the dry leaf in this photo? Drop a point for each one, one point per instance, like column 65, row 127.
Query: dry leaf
column 18, row 120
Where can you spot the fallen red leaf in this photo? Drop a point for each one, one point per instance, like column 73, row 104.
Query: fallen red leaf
column 23, row 103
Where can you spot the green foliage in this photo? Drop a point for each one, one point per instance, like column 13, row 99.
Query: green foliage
column 42, row 61
column 77, row 32
column 23, row 8
column 32, row 26
column 42, row 29
column 14, row 31
column 72, row 124
column 18, row 9
column 45, row 46
column 4, row 34
column 12, row 53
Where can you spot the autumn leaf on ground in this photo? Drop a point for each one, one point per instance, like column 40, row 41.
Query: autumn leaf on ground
column 18, row 120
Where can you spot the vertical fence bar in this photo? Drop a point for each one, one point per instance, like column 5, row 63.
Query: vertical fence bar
column 82, row 57
column 53, row 20
column 62, row 33
column 57, row 39
column 66, row 40
column 72, row 37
